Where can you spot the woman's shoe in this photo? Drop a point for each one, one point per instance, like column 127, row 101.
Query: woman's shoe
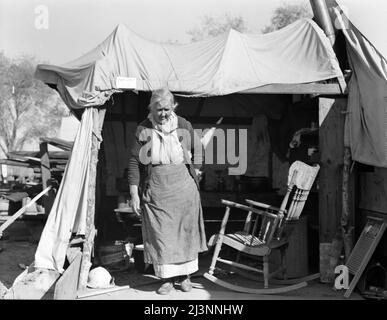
column 166, row 287
column 186, row 285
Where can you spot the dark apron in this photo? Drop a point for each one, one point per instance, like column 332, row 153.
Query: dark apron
column 172, row 218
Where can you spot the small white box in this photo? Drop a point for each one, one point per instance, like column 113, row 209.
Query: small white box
column 126, row 83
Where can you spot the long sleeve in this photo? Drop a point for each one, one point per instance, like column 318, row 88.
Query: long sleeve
column 133, row 171
column 134, row 162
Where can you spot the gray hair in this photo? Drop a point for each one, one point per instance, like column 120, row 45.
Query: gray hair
column 161, row 96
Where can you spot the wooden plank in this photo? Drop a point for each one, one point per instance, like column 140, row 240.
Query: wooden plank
column 302, row 88
column 16, row 163
column 288, row 88
column 45, row 163
column 66, row 286
column 48, row 199
column 27, row 159
column 94, row 292
column 35, row 154
column 59, row 169
column 278, row 88
column 58, row 161
column 52, row 170
column 22, row 210
column 60, row 143
column 331, row 145
column 347, row 216
column 72, row 252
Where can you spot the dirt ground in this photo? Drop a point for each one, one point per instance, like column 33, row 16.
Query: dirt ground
column 18, row 247
column 133, row 285
column 17, row 250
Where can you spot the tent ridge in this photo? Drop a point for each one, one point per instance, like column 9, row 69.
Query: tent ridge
column 222, row 65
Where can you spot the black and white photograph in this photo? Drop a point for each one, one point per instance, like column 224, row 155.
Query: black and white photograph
column 193, row 156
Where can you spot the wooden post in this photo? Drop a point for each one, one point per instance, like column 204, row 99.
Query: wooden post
column 346, row 227
column 3, row 170
column 66, row 286
column 90, row 228
column 48, row 199
column 331, row 144
column 332, row 149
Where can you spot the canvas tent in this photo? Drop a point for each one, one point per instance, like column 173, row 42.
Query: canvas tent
column 230, row 63
column 366, row 125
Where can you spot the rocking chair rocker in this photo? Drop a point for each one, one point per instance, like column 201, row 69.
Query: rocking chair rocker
column 266, row 229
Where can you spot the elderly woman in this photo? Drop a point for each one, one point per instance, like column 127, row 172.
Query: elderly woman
column 163, row 182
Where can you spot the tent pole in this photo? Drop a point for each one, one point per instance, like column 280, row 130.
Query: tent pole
column 323, row 19
column 90, row 227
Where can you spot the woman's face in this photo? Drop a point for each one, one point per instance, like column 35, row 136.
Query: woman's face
column 161, row 111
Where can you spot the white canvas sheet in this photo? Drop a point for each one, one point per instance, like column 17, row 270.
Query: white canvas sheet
column 229, row 63
column 68, row 213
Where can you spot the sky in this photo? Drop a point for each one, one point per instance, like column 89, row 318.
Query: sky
column 74, row 27
column 370, row 18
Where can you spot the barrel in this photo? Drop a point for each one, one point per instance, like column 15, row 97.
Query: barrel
column 115, row 253
column 297, row 252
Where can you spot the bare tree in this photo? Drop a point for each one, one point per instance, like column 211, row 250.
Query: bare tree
column 287, row 14
column 211, row 26
column 28, row 108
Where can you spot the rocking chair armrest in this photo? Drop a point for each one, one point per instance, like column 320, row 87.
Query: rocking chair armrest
column 246, row 208
column 262, row 205
column 229, row 203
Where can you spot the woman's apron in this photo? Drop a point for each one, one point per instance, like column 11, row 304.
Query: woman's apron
column 172, row 218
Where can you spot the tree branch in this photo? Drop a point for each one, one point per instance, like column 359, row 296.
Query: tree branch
column 4, row 149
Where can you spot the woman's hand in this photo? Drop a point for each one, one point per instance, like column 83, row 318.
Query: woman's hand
column 135, row 199
column 135, row 204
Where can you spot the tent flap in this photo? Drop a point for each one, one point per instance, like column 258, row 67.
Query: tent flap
column 68, row 213
column 366, row 122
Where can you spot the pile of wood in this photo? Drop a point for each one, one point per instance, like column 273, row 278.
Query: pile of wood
column 31, row 159
column 48, row 169
column 42, row 161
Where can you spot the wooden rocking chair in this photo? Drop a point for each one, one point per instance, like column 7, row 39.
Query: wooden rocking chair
column 266, row 229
